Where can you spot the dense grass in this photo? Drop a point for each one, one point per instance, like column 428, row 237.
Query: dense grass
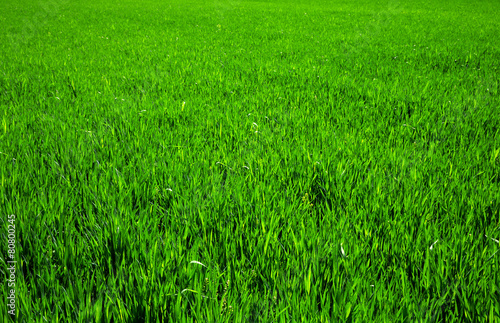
column 335, row 161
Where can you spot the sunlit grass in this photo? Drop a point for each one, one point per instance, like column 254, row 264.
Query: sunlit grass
column 251, row 161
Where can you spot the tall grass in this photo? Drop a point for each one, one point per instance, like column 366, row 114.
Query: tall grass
column 251, row 161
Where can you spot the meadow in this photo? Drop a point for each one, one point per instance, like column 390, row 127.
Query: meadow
column 256, row 161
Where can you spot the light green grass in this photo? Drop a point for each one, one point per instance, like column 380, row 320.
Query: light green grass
column 305, row 156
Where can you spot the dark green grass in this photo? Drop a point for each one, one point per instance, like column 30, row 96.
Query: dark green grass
column 308, row 156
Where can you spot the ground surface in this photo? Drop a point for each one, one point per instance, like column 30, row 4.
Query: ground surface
column 317, row 160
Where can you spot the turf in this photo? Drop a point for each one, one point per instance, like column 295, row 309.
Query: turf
column 258, row 161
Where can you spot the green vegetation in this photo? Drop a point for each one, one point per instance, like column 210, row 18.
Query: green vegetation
column 251, row 161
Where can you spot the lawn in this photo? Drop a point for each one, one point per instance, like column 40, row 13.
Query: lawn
column 255, row 161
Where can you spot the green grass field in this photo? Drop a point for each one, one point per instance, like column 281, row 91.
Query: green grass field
column 255, row 161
